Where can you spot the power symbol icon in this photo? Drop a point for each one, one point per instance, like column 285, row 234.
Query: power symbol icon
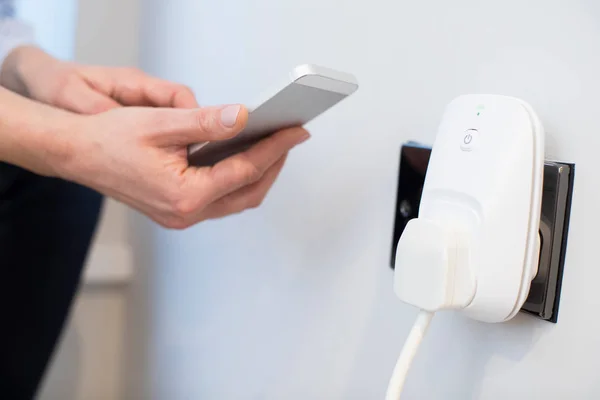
column 469, row 139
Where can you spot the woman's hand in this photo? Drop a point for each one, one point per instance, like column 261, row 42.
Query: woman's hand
column 139, row 156
column 84, row 89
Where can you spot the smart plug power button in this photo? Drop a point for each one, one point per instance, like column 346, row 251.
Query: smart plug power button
column 469, row 139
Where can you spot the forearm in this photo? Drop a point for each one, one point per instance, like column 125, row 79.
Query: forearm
column 34, row 136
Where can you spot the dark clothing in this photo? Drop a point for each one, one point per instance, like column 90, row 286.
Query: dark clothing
column 46, row 227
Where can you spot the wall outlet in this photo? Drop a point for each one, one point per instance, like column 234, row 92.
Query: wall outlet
column 544, row 295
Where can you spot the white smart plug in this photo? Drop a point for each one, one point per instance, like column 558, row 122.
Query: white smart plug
column 475, row 244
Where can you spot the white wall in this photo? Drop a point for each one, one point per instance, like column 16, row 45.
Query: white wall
column 108, row 32
column 294, row 300
column 54, row 23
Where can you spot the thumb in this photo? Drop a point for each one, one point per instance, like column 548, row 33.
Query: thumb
column 187, row 126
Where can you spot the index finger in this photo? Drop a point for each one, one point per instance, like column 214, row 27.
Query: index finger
column 145, row 90
column 248, row 167
column 162, row 93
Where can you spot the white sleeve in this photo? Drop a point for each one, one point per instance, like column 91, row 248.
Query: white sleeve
column 13, row 33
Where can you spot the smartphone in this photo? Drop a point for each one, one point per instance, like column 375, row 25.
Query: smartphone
column 308, row 91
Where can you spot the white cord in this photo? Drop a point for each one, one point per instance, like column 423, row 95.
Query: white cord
column 408, row 354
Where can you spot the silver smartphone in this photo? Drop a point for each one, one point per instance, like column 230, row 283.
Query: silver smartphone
column 308, row 91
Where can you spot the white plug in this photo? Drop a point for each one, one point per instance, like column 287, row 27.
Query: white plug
column 443, row 279
column 474, row 246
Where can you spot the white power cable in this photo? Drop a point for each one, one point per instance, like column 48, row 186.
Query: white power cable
column 432, row 274
column 411, row 346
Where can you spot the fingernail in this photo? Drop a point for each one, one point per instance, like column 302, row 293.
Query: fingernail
column 229, row 115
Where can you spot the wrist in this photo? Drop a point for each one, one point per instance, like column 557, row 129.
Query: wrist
column 35, row 136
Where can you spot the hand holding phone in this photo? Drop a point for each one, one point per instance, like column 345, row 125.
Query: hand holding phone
column 309, row 91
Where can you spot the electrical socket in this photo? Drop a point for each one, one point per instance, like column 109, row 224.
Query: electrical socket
column 544, row 296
